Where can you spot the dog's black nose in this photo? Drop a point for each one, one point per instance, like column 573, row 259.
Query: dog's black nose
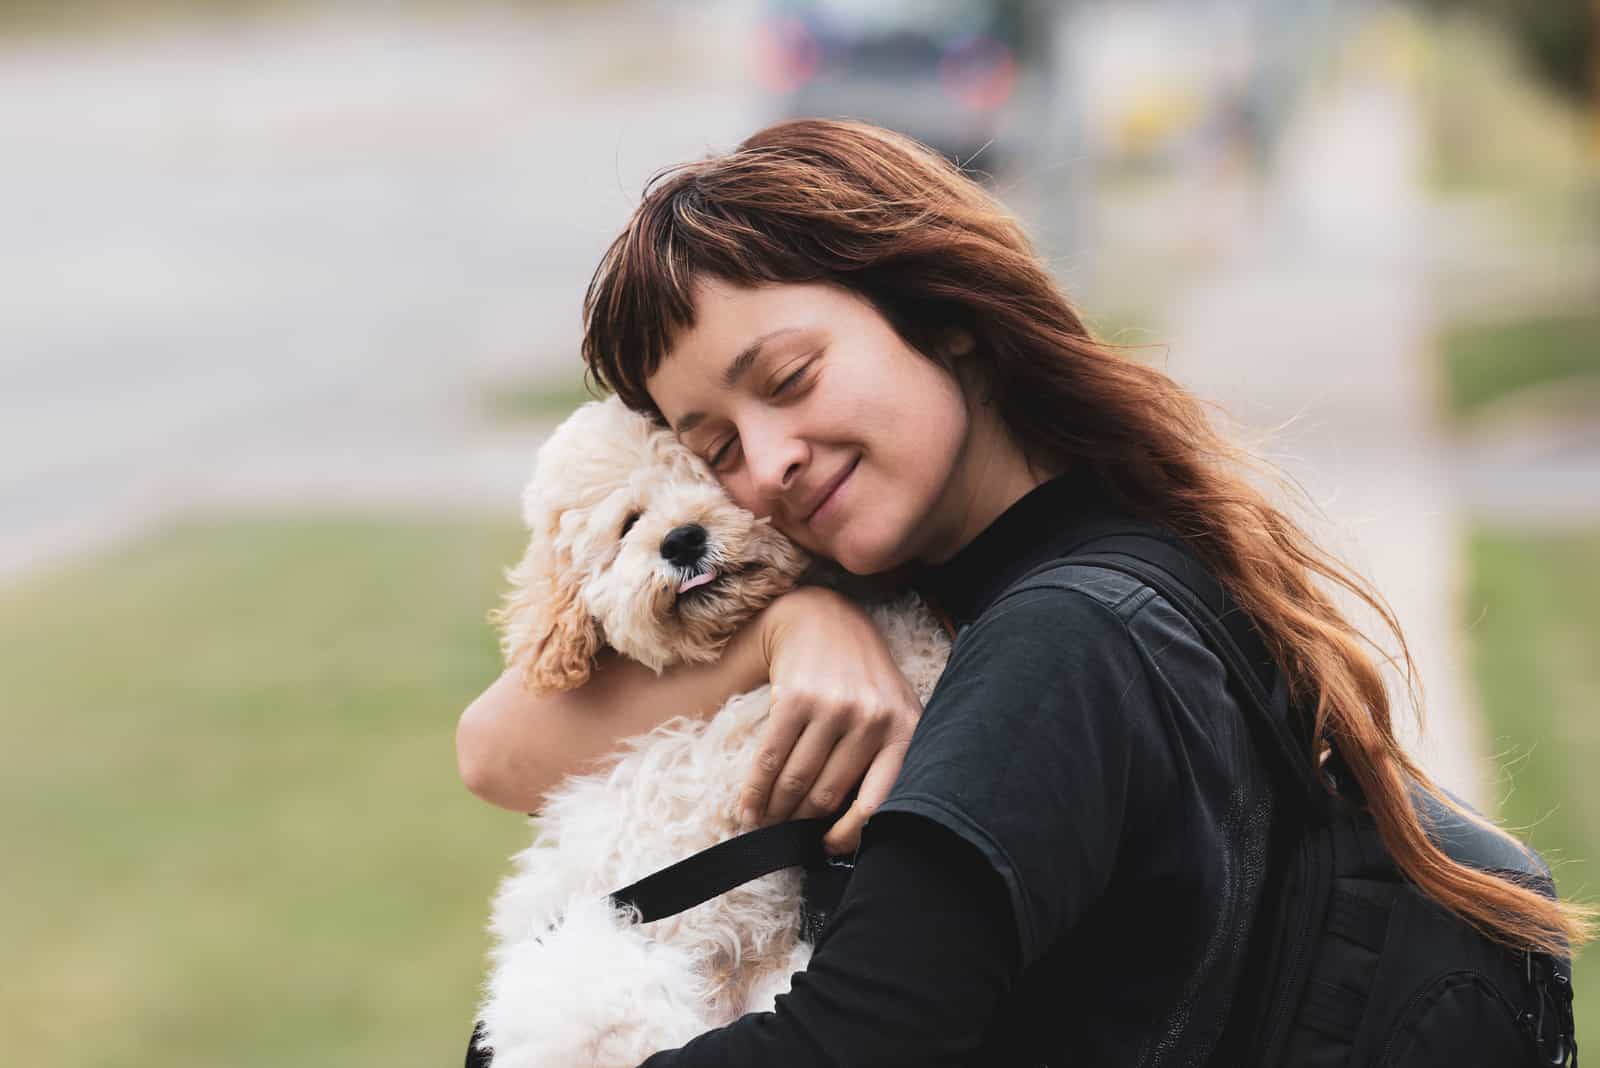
column 683, row 546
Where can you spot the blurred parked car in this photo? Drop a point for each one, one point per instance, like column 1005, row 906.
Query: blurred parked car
column 965, row 77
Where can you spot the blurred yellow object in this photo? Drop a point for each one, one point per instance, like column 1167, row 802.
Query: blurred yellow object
column 1152, row 116
column 1399, row 43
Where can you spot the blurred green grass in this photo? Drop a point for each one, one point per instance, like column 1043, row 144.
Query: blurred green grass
column 1533, row 612
column 1484, row 362
column 235, row 830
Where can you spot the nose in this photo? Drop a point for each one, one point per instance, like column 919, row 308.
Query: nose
column 774, row 460
column 684, row 546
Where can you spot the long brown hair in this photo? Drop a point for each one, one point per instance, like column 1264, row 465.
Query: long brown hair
column 878, row 214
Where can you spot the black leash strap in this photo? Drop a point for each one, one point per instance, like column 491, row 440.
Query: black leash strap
column 724, row 866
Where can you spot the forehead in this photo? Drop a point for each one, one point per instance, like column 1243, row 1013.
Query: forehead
column 728, row 320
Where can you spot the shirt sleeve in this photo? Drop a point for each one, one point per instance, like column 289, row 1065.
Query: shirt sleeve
column 1042, row 747
column 912, row 966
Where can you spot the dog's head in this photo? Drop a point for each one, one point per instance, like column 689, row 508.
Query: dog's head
column 634, row 545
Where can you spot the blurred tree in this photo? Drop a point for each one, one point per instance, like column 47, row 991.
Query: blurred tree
column 1558, row 37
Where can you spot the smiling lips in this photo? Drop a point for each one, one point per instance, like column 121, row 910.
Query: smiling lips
column 833, row 488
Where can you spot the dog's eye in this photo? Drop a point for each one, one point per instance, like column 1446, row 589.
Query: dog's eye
column 627, row 524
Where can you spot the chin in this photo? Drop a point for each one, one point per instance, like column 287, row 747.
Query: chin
column 865, row 555
column 870, row 544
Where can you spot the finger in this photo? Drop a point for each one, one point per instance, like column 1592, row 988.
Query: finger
column 777, row 741
column 807, row 758
column 852, row 755
column 845, row 834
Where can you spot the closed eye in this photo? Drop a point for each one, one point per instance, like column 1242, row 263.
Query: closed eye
column 791, row 380
column 716, row 459
column 721, row 454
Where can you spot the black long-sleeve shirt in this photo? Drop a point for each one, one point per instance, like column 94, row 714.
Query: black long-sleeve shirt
column 1065, row 870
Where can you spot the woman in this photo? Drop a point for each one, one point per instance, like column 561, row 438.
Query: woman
column 1065, row 850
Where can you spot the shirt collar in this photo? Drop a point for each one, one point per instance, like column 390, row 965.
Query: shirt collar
column 1026, row 534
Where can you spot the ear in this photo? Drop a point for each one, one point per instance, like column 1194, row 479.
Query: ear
column 959, row 342
column 545, row 628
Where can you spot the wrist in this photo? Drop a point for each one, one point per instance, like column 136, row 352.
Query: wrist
column 775, row 621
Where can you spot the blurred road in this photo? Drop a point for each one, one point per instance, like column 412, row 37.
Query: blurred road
column 1316, row 335
column 247, row 261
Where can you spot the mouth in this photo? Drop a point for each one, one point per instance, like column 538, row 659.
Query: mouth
column 833, row 489
column 697, row 585
column 705, row 578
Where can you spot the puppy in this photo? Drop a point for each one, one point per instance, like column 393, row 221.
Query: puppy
column 634, row 545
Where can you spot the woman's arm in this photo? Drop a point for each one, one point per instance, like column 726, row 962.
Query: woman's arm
column 911, row 969
column 513, row 746
column 841, row 711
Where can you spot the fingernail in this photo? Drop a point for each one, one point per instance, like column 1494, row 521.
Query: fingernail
column 747, row 819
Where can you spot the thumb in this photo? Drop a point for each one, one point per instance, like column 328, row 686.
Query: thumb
column 845, row 834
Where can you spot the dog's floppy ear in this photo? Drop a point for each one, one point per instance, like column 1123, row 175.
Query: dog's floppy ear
column 544, row 626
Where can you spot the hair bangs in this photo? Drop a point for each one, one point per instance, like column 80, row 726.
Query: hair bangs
column 642, row 294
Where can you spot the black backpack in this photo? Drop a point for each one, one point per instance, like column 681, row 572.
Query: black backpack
column 1349, row 964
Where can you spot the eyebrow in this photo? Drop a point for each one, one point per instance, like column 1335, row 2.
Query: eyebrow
column 735, row 371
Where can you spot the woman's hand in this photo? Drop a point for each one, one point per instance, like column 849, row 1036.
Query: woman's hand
column 841, row 714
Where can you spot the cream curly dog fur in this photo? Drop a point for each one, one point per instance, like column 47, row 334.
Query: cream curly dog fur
column 574, row 982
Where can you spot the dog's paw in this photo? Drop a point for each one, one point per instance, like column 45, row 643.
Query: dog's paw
column 592, row 992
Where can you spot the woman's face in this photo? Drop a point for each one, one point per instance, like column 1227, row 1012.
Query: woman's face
column 811, row 409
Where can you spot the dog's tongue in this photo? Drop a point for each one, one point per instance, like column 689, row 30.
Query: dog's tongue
column 698, row 580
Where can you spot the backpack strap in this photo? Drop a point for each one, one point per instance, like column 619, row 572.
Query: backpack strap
column 1227, row 631
column 1207, row 606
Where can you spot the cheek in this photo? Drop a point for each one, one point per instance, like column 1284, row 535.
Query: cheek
column 740, row 491
column 600, row 596
column 804, row 539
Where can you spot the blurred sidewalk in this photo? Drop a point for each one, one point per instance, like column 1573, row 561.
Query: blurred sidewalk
column 1314, row 334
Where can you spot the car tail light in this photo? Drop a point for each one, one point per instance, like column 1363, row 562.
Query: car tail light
column 979, row 71
column 788, row 54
